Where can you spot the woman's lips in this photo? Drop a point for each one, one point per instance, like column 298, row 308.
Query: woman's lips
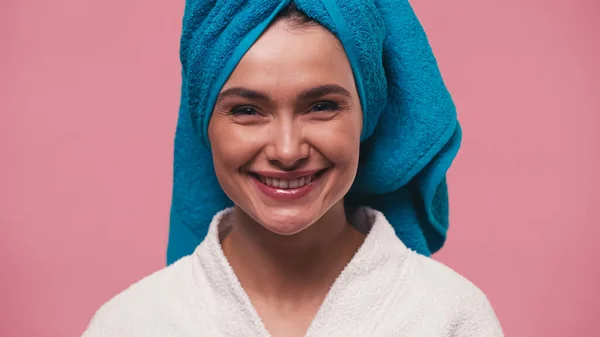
column 287, row 186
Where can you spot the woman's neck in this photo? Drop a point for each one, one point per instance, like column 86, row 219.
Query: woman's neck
column 291, row 268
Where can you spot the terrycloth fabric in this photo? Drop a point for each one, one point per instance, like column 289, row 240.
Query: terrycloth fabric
column 410, row 134
column 385, row 290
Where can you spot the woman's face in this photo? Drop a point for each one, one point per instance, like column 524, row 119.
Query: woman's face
column 285, row 130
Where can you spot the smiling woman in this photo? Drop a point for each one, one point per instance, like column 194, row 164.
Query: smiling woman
column 297, row 127
column 289, row 113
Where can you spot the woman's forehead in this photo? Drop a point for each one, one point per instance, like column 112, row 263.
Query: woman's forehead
column 285, row 58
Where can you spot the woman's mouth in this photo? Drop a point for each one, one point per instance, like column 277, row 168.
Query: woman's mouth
column 287, row 186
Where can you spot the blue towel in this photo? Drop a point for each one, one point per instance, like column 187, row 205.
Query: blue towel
column 410, row 131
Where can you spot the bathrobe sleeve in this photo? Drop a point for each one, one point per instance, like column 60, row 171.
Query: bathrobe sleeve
column 477, row 318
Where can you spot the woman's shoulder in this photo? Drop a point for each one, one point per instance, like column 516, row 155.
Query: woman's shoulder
column 154, row 304
column 464, row 305
column 438, row 276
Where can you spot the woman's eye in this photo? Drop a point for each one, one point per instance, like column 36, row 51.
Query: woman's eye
column 325, row 106
column 244, row 110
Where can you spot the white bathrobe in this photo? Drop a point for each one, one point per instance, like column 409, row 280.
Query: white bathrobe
column 385, row 290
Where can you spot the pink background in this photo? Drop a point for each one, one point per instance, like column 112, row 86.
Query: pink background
column 88, row 102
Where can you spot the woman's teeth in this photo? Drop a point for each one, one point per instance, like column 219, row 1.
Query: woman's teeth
column 286, row 183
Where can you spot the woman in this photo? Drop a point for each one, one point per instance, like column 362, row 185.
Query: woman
column 293, row 127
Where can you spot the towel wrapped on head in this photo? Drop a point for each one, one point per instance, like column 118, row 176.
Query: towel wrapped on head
column 410, row 132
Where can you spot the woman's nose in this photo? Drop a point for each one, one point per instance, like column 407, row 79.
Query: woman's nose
column 288, row 148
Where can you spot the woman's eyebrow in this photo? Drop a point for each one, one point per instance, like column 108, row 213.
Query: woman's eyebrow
column 323, row 90
column 311, row 93
column 245, row 93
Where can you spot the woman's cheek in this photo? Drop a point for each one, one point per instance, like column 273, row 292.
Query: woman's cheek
column 238, row 144
column 339, row 141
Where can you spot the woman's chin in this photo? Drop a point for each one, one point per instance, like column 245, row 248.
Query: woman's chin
column 287, row 229
column 287, row 224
